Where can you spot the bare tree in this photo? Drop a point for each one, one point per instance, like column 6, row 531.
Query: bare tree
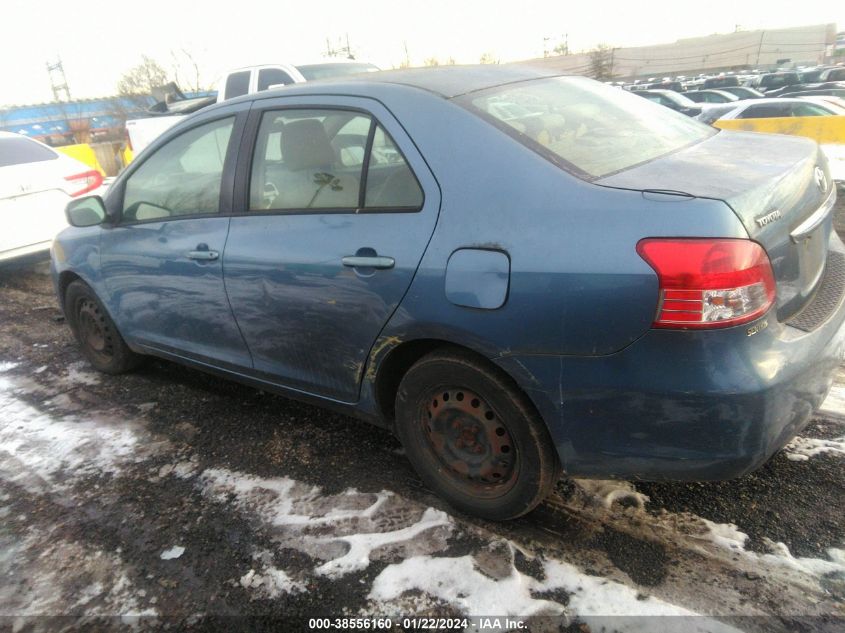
column 487, row 58
column 141, row 79
column 189, row 78
column 601, row 62
column 431, row 61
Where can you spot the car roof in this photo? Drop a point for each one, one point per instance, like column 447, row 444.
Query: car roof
column 446, row 81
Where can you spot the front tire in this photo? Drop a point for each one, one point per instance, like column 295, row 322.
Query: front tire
column 473, row 437
column 96, row 333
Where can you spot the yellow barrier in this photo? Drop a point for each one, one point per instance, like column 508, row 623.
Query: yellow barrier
column 84, row 153
column 823, row 129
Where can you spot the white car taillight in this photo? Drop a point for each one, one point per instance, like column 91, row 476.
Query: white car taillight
column 85, row 182
column 709, row 283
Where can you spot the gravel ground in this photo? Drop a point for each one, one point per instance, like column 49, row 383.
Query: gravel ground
column 182, row 499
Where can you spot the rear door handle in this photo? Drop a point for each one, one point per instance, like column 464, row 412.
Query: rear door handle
column 356, row 261
column 203, row 255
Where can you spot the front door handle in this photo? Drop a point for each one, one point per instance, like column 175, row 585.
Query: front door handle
column 357, row 261
column 203, row 254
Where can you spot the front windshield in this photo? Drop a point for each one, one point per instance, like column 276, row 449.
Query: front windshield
column 312, row 72
column 584, row 124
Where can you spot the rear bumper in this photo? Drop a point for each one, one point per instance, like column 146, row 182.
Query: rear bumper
column 685, row 405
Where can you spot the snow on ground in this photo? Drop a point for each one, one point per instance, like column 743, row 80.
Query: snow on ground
column 605, row 492
column 835, row 401
column 346, row 532
column 80, row 373
column 801, row 449
column 51, row 576
column 39, row 448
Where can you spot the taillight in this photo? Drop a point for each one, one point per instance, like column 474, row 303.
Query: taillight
column 709, row 283
column 84, row 182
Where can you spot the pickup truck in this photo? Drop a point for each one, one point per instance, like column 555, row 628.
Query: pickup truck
column 235, row 83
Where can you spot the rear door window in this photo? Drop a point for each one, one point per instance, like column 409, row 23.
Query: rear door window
column 808, row 109
column 20, row 150
column 272, row 76
column 766, row 111
column 237, row 84
column 337, row 160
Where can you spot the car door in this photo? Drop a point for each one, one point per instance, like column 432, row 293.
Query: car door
column 333, row 210
column 162, row 261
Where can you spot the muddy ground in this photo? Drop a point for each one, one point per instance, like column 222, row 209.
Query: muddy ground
column 178, row 500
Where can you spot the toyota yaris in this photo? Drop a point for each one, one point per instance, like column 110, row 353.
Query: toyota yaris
column 520, row 274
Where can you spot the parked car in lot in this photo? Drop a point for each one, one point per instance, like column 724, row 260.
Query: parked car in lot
column 818, row 92
column 812, row 106
column 768, row 108
column 672, row 100
column 719, row 82
column 743, row 92
column 604, row 287
column 769, row 82
column 36, row 182
column 710, row 96
column 236, row 83
column 833, row 74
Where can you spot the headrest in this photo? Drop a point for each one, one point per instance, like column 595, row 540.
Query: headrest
column 305, row 145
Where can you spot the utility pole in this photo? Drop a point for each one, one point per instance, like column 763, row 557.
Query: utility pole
column 58, row 81
column 760, row 48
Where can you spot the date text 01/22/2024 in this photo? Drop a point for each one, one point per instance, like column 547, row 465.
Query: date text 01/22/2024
column 416, row 624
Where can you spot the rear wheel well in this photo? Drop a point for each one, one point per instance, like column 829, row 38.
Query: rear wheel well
column 399, row 360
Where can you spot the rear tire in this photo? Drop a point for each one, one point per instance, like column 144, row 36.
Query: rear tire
column 473, row 437
column 96, row 333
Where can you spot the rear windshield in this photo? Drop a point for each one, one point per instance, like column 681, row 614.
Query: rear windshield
column 17, row 151
column 591, row 128
column 779, row 80
column 312, row 72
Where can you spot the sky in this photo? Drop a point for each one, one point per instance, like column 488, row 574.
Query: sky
column 97, row 42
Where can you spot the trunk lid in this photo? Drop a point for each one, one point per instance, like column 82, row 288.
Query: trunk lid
column 779, row 187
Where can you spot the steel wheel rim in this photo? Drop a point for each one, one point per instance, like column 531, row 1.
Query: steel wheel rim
column 468, row 438
column 94, row 331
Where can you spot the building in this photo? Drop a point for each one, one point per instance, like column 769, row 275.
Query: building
column 743, row 50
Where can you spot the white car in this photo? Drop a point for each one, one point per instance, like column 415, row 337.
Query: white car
column 785, row 107
column 36, row 183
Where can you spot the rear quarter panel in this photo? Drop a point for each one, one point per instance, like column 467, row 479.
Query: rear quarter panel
column 577, row 285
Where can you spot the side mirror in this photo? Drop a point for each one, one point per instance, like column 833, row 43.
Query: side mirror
column 87, row 211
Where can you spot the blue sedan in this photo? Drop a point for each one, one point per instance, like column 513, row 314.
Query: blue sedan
column 520, row 274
